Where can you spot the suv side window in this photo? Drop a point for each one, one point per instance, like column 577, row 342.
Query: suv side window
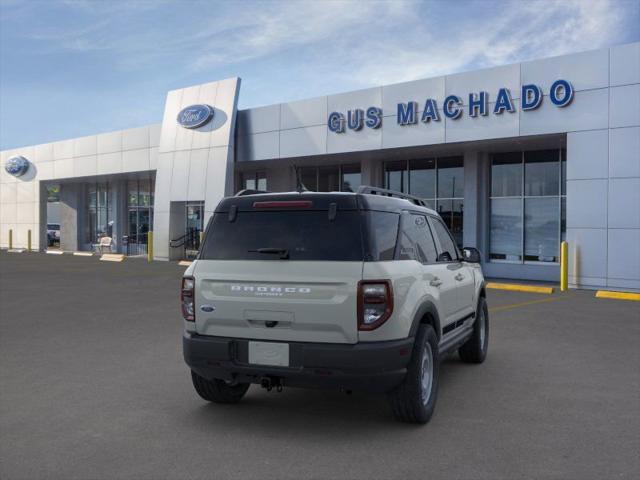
column 416, row 242
column 449, row 251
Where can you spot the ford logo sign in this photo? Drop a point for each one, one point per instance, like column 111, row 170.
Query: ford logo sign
column 17, row 166
column 195, row 116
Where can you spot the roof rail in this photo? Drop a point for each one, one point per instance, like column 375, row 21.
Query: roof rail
column 366, row 189
column 249, row 191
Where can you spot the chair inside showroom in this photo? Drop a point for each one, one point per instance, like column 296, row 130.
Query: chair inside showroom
column 104, row 243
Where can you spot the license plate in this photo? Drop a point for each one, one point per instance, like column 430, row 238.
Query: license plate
column 269, row 353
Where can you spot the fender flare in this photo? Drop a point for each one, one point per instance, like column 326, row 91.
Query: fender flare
column 427, row 307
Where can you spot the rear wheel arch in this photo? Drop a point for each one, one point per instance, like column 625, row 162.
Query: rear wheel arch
column 427, row 314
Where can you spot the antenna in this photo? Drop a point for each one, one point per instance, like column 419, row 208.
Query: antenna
column 299, row 185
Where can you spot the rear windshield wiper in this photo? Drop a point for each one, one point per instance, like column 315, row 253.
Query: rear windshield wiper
column 283, row 252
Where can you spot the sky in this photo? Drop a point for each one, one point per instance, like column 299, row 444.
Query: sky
column 70, row 68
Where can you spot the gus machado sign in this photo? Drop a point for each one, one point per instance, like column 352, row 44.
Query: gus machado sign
column 560, row 95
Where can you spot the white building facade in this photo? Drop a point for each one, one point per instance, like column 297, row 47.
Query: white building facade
column 515, row 159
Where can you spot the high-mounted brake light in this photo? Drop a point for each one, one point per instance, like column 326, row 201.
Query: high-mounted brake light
column 284, row 204
column 375, row 303
column 187, row 298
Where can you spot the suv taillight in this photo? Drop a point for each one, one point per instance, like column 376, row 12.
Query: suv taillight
column 187, row 298
column 375, row 303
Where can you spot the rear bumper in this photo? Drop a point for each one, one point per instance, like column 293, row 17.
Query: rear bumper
column 371, row 367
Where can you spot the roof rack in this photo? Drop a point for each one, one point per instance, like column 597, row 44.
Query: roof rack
column 249, row 191
column 366, row 189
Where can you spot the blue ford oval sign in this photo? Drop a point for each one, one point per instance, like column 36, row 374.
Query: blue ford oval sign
column 17, row 166
column 195, row 116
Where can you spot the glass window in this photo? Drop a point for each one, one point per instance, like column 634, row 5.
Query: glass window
column 506, row 175
column 530, row 225
column 53, row 193
column 309, row 178
column 132, row 192
column 563, row 171
column 395, row 176
column 541, row 173
column 450, row 177
column 416, row 245
column 424, row 240
column 506, row 229
column 305, row 235
column 451, row 212
column 328, row 179
column 422, row 178
column 140, row 214
column 383, row 228
column 407, row 249
column 448, row 251
column 145, row 192
column 331, row 178
column 541, row 226
column 253, row 181
column 194, row 225
column 563, row 219
column 351, row 178
column 99, row 212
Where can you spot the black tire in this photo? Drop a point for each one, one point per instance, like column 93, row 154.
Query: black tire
column 475, row 349
column 407, row 400
column 218, row 391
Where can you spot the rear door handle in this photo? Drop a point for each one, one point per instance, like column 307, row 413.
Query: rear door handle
column 459, row 277
column 436, row 282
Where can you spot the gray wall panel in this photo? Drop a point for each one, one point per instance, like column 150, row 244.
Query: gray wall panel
column 624, row 152
column 588, row 154
column 625, row 64
column 300, row 142
column 624, row 254
column 303, row 113
column 587, row 203
column 624, row 203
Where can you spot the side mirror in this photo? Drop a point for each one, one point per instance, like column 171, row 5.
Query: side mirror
column 471, row 255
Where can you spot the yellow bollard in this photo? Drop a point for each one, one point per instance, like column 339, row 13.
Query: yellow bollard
column 564, row 266
column 10, row 239
column 201, row 235
column 150, row 247
column 29, row 240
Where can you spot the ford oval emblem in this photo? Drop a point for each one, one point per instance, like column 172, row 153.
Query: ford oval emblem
column 195, row 116
column 16, row 166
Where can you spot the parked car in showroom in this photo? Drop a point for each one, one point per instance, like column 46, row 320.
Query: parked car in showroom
column 53, row 234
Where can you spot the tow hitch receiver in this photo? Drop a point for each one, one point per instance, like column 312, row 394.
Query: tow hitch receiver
column 269, row 383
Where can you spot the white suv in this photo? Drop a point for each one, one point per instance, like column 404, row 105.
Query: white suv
column 355, row 291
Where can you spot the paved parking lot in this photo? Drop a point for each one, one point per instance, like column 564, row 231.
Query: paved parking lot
column 93, row 386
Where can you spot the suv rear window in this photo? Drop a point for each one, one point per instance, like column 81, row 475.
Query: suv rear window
column 304, row 235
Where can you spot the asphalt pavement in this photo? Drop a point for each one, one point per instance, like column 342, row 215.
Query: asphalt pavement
column 93, row 386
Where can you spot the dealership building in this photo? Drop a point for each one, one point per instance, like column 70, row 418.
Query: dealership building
column 515, row 159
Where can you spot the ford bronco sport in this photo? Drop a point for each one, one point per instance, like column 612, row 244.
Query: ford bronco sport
column 357, row 291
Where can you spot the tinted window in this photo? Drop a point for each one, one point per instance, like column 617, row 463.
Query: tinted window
column 541, row 173
column 506, row 175
column 446, row 243
column 305, row 235
column 451, row 177
column 383, row 233
column 416, row 241
column 424, row 240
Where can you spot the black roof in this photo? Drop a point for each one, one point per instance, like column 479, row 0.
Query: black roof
column 321, row 201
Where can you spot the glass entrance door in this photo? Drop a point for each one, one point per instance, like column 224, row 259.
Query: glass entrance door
column 140, row 215
column 193, row 229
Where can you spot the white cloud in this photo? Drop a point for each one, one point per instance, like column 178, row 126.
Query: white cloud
column 520, row 32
